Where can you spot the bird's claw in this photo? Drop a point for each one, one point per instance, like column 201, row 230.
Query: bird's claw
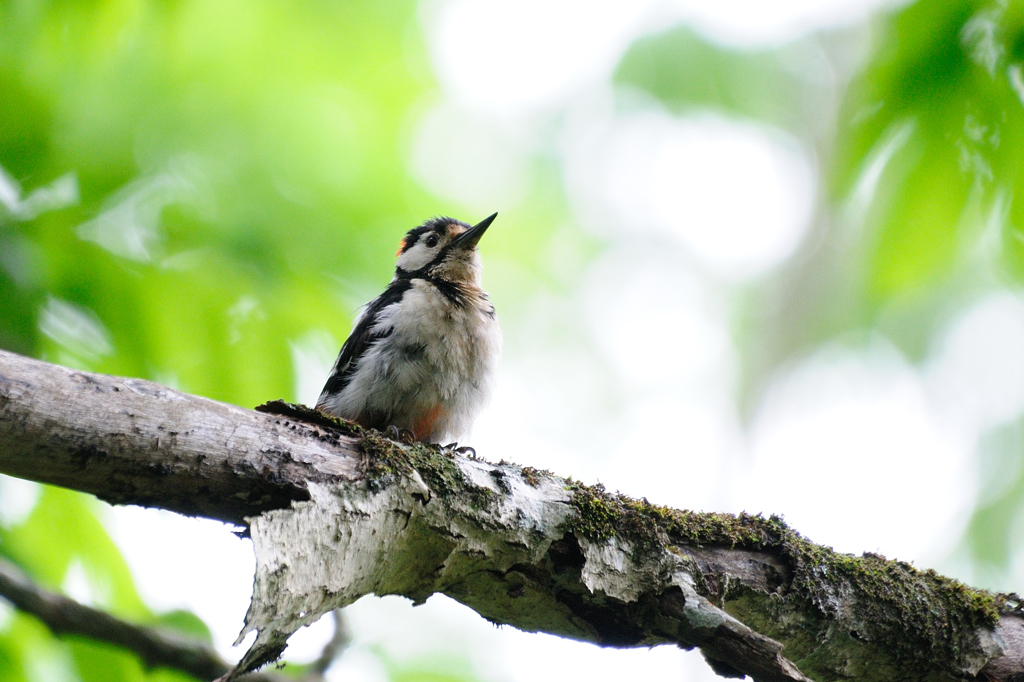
column 403, row 435
column 465, row 450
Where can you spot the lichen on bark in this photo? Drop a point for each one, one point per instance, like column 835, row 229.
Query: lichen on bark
column 524, row 547
column 518, row 545
column 421, row 521
column 891, row 615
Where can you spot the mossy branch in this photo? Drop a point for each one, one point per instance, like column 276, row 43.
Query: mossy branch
column 336, row 512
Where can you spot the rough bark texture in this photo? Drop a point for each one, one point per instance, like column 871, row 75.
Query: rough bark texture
column 336, row 513
column 129, row 441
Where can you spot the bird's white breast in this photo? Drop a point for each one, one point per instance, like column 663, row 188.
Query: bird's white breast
column 438, row 355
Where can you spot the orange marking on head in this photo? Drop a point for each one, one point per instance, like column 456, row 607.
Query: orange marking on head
column 425, row 425
column 401, row 246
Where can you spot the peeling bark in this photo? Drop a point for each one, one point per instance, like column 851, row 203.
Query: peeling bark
column 336, row 513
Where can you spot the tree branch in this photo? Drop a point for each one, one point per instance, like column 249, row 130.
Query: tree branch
column 156, row 648
column 332, row 650
column 129, row 441
column 336, row 513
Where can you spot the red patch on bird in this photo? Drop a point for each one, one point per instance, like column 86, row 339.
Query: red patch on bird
column 425, row 425
column 401, row 248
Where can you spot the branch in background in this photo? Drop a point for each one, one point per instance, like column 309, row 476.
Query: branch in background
column 519, row 546
column 332, row 650
column 156, row 648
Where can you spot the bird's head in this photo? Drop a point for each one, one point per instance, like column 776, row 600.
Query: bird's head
column 444, row 248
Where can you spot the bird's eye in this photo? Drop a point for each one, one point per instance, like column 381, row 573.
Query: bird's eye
column 431, row 241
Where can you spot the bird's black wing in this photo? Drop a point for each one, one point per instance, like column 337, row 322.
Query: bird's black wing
column 362, row 338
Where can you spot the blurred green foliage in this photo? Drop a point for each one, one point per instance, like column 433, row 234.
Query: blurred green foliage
column 944, row 89
column 188, row 189
column 432, row 668
column 750, row 83
column 62, row 541
column 923, row 171
column 230, row 160
column 993, row 538
column 924, row 151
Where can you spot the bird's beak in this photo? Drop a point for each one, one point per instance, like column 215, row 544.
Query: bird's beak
column 469, row 238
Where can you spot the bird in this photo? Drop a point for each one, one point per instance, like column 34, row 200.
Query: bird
column 421, row 358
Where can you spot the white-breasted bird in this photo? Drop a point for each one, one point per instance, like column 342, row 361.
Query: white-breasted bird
column 422, row 355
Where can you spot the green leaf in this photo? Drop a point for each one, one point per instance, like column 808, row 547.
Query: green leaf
column 945, row 69
column 101, row 662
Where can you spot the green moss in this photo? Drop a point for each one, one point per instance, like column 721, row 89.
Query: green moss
column 533, row 476
column 308, row 414
column 922, row 620
column 597, row 514
column 602, row 514
column 837, row 614
column 384, row 460
column 919, row 616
